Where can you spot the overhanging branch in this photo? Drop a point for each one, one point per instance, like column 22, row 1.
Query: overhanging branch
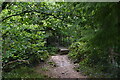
column 30, row 12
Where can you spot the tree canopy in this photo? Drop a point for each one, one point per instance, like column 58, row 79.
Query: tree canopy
column 32, row 30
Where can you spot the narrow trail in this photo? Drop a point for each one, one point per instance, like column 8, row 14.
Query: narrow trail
column 63, row 68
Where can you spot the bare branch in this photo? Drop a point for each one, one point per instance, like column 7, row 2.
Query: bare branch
column 16, row 61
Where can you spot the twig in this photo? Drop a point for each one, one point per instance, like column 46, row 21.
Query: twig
column 15, row 61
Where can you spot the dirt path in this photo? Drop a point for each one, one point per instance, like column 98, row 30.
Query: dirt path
column 59, row 66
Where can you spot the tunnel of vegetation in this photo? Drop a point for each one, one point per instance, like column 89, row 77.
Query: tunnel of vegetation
column 32, row 31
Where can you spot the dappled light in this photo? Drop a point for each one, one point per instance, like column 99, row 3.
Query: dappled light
column 60, row 40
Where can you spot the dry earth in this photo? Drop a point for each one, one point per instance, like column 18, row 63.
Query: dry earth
column 59, row 66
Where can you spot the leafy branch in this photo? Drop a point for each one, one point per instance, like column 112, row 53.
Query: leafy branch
column 30, row 12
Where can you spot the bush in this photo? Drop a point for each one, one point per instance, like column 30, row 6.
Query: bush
column 23, row 43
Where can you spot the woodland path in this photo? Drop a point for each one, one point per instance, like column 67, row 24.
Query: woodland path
column 59, row 66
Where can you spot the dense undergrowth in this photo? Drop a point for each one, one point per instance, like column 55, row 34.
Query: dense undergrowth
column 98, row 47
column 23, row 72
column 94, row 62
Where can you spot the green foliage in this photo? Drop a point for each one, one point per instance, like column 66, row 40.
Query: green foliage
column 99, row 35
column 52, row 50
column 23, row 72
column 93, row 72
column 20, row 44
column 31, row 30
column 22, row 39
column 77, row 52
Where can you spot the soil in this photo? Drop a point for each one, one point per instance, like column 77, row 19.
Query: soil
column 59, row 66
